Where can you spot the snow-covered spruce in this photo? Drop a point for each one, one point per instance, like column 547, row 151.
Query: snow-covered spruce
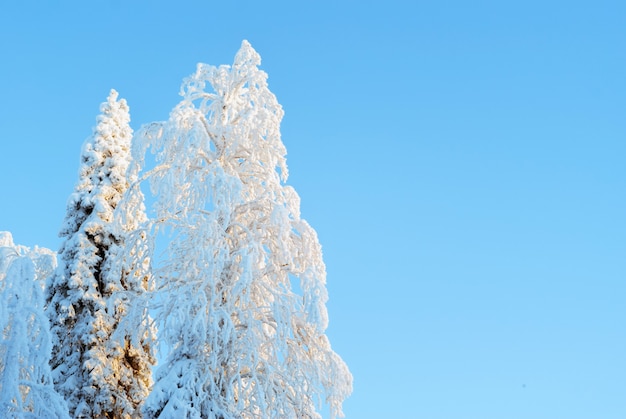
column 101, row 369
column 26, row 389
column 243, row 279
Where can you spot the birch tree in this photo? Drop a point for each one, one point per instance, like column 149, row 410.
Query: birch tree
column 101, row 370
column 26, row 388
column 242, row 280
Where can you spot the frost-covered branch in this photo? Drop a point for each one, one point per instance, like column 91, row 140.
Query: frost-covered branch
column 244, row 342
column 26, row 389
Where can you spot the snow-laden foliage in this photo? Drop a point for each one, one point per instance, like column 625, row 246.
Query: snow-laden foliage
column 242, row 281
column 26, row 388
column 101, row 359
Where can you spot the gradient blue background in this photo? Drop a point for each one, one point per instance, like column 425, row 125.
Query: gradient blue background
column 462, row 161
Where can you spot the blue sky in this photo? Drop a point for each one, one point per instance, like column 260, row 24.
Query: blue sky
column 462, row 162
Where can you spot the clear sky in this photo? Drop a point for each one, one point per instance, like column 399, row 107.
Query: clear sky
column 463, row 163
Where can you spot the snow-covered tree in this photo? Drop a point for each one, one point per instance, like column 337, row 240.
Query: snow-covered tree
column 101, row 367
column 243, row 279
column 26, row 388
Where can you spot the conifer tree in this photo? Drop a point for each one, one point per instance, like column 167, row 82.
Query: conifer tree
column 101, row 369
column 26, row 388
column 243, row 279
